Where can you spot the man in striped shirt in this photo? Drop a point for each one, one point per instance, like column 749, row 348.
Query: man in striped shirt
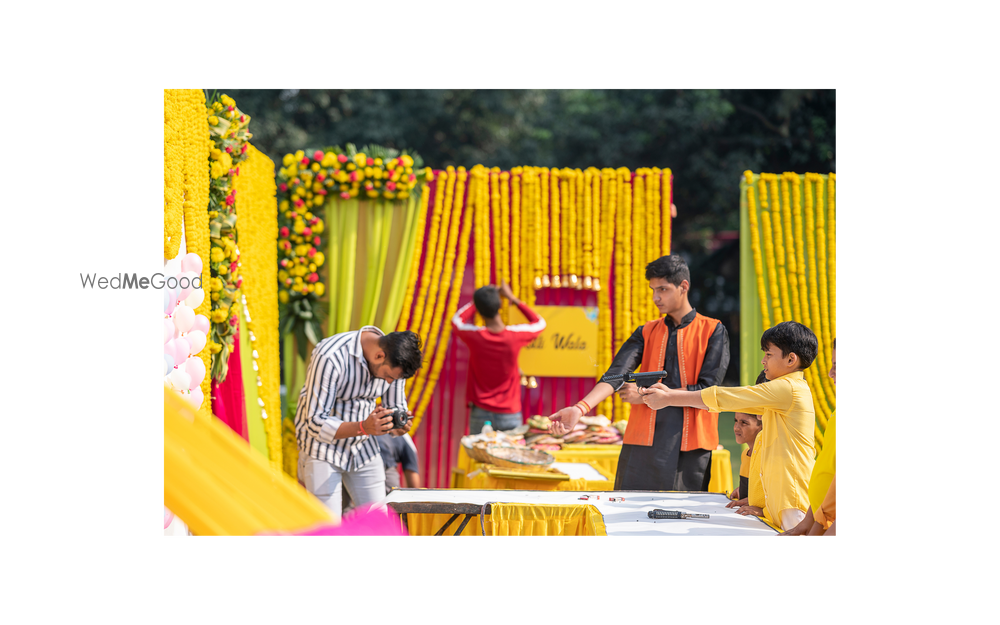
column 337, row 417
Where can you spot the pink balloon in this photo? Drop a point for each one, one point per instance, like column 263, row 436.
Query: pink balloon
column 197, row 339
column 182, row 348
column 168, row 517
column 191, row 262
column 195, row 367
column 183, row 318
column 196, row 398
column 186, row 290
column 170, row 349
column 201, row 324
column 168, row 330
column 170, row 301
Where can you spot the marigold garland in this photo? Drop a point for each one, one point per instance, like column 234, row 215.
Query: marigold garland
column 258, row 231
column 173, row 172
column 755, row 249
column 192, row 135
column 418, row 244
column 595, row 216
column 800, row 262
column 433, row 330
column 452, row 306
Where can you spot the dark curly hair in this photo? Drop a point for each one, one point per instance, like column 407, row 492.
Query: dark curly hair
column 402, row 349
column 792, row 337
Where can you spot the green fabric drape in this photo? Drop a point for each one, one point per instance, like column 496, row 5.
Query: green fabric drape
column 343, row 299
column 255, row 424
column 378, row 218
column 394, row 302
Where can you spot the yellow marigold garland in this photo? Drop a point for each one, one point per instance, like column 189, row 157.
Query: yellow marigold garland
column 772, row 274
column 440, row 321
column 258, row 231
column 456, row 289
column 187, row 164
column 174, row 117
column 666, row 199
column 801, row 266
column 418, row 246
column 755, row 249
column 831, row 251
column 515, row 230
column 445, row 182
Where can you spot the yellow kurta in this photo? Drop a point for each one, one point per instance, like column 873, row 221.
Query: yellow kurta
column 786, row 440
column 826, row 465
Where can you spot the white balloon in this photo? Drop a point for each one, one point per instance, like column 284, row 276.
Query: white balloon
column 195, row 299
column 169, row 331
column 183, row 317
column 197, row 339
column 180, row 378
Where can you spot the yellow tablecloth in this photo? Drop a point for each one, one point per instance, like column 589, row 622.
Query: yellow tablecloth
column 563, row 513
column 564, row 523
column 604, row 458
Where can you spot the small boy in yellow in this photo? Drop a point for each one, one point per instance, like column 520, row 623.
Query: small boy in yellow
column 746, row 427
column 786, row 408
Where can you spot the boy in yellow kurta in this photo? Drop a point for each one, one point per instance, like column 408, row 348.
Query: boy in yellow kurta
column 786, row 408
column 824, row 469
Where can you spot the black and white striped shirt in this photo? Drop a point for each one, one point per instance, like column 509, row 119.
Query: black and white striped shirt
column 339, row 387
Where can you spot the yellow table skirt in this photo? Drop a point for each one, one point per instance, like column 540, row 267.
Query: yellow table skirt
column 604, row 458
column 514, row 519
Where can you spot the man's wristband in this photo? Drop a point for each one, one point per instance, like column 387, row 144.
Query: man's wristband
column 361, row 427
column 583, row 406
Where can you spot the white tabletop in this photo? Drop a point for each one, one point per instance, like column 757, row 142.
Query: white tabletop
column 626, row 518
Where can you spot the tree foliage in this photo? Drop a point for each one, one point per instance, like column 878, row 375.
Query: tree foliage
column 706, row 137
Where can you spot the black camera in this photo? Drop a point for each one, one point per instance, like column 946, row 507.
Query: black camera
column 399, row 419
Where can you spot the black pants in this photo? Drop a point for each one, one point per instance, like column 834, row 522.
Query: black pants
column 663, row 466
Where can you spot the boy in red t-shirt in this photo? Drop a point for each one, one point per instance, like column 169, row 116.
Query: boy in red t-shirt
column 494, row 386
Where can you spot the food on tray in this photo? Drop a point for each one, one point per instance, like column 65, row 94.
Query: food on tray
column 596, row 430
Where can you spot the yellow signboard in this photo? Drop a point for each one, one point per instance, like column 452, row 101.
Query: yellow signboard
column 568, row 346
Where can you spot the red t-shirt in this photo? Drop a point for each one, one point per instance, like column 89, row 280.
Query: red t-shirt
column 494, row 383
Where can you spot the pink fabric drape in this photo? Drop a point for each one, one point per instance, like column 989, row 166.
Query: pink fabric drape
column 228, row 399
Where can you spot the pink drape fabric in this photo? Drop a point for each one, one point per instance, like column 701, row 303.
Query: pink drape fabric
column 228, row 399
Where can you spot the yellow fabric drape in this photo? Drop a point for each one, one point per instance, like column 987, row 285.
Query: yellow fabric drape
column 255, row 424
column 511, row 519
column 376, row 236
column 400, row 256
column 218, row 486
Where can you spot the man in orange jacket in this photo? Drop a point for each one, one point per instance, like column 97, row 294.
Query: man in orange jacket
column 670, row 448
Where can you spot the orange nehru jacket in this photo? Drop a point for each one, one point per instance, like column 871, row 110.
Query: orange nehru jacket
column 701, row 427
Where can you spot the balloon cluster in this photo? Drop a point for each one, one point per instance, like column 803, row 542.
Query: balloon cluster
column 184, row 332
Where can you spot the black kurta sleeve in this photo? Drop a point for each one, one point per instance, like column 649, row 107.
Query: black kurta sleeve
column 713, row 368
column 628, row 358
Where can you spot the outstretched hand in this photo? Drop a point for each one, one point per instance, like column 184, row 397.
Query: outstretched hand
column 564, row 420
